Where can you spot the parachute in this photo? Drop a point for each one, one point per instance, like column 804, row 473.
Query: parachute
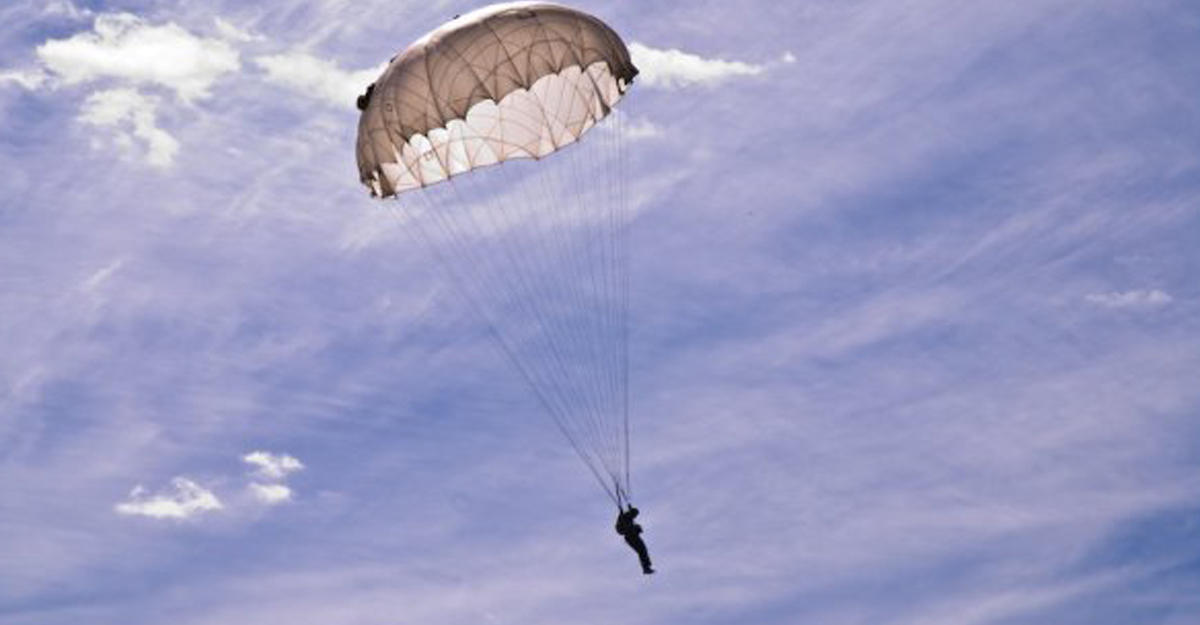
column 497, row 135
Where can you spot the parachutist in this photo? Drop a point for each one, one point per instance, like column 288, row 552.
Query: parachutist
column 633, row 536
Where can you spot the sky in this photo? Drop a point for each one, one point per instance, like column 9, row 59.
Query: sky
column 915, row 327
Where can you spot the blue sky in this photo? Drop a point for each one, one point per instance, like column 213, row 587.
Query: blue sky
column 914, row 305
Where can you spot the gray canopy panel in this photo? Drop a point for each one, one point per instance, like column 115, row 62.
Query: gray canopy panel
column 515, row 80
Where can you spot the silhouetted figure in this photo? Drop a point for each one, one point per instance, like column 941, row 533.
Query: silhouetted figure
column 633, row 536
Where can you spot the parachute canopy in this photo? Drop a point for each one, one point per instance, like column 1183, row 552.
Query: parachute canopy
column 515, row 80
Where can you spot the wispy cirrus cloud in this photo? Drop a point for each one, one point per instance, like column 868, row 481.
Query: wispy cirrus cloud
column 233, row 32
column 66, row 8
column 185, row 499
column 1134, row 299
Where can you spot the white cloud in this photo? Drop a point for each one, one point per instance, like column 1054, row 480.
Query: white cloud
column 30, row 79
column 1130, row 299
column 318, row 78
column 126, row 47
column 270, row 494
column 133, row 116
column 185, row 500
column 788, row 57
column 272, row 466
column 675, row 68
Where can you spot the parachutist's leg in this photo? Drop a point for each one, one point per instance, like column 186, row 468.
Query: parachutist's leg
column 637, row 544
column 644, row 558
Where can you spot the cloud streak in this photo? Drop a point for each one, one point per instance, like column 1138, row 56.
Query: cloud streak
column 1135, row 299
column 671, row 68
